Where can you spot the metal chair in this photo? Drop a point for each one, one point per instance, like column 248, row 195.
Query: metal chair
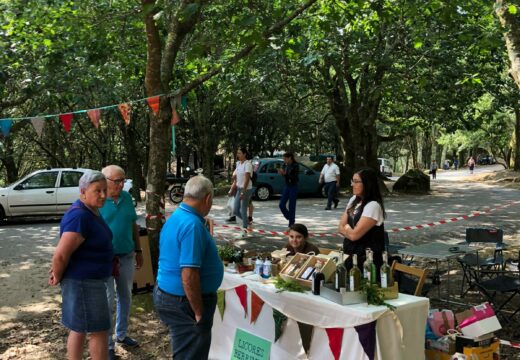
column 473, row 266
column 404, row 275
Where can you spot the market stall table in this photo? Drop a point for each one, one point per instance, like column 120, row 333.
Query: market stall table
column 357, row 332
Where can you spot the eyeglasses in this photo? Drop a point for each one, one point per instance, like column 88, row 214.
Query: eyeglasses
column 117, row 181
column 352, row 182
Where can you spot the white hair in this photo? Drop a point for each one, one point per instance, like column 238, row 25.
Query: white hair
column 112, row 168
column 89, row 177
column 198, row 187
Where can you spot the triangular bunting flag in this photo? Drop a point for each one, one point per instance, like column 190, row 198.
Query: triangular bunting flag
column 175, row 117
column 306, row 335
column 279, row 320
column 221, row 302
column 66, row 120
column 6, row 126
column 94, row 116
column 153, row 102
column 335, row 339
column 367, row 338
column 38, row 123
column 125, row 109
column 256, row 306
column 242, row 296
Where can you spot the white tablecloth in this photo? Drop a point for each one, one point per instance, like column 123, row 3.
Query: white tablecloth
column 400, row 335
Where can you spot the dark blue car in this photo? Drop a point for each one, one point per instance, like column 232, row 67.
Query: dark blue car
column 269, row 182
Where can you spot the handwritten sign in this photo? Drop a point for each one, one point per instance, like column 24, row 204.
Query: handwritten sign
column 250, row 347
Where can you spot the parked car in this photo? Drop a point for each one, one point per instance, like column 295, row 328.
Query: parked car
column 269, row 182
column 385, row 167
column 486, row 160
column 43, row 192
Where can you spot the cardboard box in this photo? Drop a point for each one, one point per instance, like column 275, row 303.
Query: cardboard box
column 491, row 352
column 444, row 344
column 143, row 277
column 432, row 354
column 479, row 320
column 484, row 341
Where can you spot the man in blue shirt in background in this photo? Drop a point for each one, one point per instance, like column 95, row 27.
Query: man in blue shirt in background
column 119, row 213
column 189, row 274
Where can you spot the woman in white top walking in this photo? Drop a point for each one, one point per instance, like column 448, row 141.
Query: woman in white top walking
column 244, row 173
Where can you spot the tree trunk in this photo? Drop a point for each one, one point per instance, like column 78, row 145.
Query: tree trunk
column 517, row 139
column 511, row 24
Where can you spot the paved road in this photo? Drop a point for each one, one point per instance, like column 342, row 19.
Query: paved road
column 26, row 247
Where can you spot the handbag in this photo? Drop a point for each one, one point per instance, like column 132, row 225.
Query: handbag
column 230, row 204
column 441, row 321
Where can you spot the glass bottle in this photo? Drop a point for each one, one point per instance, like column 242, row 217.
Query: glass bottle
column 355, row 275
column 373, row 269
column 387, row 279
column 317, row 279
column 266, row 269
column 340, row 273
column 367, row 265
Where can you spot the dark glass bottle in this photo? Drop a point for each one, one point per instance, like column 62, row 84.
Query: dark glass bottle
column 317, row 278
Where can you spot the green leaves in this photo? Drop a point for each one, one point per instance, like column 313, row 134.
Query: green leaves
column 512, row 9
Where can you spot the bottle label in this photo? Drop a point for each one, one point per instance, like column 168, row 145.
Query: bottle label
column 366, row 274
column 352, row 284
column 384, row 281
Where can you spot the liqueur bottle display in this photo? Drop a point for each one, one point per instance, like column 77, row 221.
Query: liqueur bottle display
column 317, row 278
column 259, row 264
column 266, row 269
column 341, row 273
column 373, row 269
column 367, row 265
column 387, row 279
column 355, row 275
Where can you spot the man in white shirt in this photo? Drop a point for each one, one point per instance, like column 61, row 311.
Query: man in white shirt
column 330, row 176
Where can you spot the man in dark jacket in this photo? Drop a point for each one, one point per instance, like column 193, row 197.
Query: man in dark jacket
column 290, row 192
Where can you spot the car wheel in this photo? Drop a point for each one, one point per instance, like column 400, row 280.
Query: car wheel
column 176, row 194
column 263, row 192
column 2, row 215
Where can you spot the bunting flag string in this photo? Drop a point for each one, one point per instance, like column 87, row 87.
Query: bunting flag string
column 241, row 292
column 66, row 120
column 94, row 116
column 153, row 103
column 221, row 303
column 306, row 331
column 335, row 339
column 6, row 126
column 279, row 320
column 367, row 338
column 125, row 110
column 38, row 123
column 256, row 306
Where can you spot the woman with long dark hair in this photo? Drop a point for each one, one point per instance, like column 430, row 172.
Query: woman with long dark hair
column 362, row 223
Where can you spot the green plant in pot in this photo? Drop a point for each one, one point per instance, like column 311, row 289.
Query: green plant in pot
column 227, row 252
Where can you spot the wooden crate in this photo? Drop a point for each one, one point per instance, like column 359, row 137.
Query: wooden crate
column 144, row 280
column 391, row 292
column 289, row 268
column 328, row 270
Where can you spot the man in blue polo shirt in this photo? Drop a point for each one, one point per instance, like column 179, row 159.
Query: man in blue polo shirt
column 189, row 274
column 119, row 213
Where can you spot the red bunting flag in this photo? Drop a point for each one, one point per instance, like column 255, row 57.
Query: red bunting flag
column 125, row 110
column 242, row 296
column 153, row 102
column 175, row 117
column 94, row 116
column 335, row 339
column 66, row 120
column 256, row 306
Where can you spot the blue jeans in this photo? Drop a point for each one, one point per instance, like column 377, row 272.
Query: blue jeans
column 330, row 190
column 290, row 193
column 123, row 288
column 189, row 340
column 240, row 206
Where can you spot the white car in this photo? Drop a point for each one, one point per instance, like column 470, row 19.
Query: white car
column 43, row 192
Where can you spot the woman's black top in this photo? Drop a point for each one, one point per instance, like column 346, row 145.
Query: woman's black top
column 373, row 239
column 291, row 174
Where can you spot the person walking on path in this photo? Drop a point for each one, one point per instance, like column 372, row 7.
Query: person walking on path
column 290, row 172
column 471, row 164
column 330, row 176
column 456, row 163
column 189, row 274
column 244, row 188
column 433, row 169
column 119, row 213
column 81, row 264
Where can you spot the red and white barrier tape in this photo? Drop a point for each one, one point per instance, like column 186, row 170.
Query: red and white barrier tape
column 415, row 227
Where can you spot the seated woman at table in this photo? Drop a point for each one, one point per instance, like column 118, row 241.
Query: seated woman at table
column 362, row 223
column 298, row 241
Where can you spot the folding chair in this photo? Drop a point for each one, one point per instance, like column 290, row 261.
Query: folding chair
column 411, row 280
column 473, row 266
column 507, row 283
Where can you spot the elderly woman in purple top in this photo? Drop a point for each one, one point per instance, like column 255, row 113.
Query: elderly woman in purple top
column 81, row 264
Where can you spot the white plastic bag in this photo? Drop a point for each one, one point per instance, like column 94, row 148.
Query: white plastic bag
column 230, row 204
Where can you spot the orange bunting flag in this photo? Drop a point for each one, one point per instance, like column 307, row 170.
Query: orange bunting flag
column 241, row 292
column 94, row 116
column 175, row 117
column 125, row 110
column 66, row 120
column 256, row 306
column 153, row 102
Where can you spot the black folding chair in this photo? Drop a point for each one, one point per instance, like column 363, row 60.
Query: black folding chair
column 475, row 267
column 506, row 283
